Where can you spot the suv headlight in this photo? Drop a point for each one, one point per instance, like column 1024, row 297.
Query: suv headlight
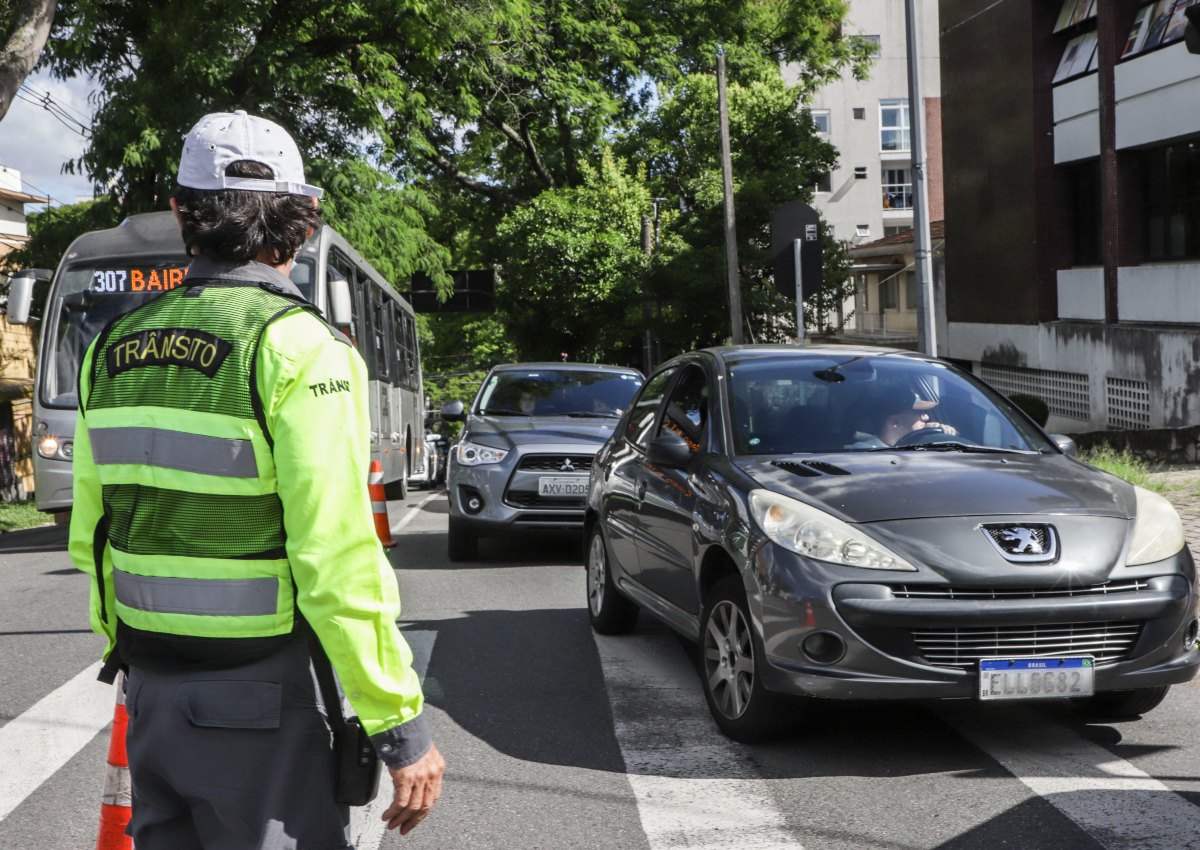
column 815, row 534
column 473, row 454
column 1157, row 530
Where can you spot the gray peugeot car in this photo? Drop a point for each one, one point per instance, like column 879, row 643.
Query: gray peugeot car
column 872, row 524
column 525, row 453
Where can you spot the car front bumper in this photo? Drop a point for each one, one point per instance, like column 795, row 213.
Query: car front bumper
column 917, row 636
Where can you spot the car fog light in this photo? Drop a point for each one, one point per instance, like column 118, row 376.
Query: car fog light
column 471, row 501
column 824, row 647
column 1190, row 634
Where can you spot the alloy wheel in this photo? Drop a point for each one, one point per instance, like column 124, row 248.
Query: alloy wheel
column 729, row 659
column 596, row 575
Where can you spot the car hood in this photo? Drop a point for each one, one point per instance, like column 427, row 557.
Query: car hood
column 883, row 486
column 508, row 432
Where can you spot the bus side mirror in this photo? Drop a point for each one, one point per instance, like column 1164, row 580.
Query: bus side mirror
column 20, row 293
column 341, row 311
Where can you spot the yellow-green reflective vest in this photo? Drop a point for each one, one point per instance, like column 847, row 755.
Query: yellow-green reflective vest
column 180, row 444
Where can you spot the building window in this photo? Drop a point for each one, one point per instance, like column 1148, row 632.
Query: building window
column 1156, row 25
column 910, row 289
column 893, row 229
column 820, row 118
column 1084, row 191
column 871, row 42
column 825, row 182
column 889, row 294
column 860, row 172
column 862, row 230
column 897, row 189
column 893, row 125
column 1172, row 211
column 859, row 113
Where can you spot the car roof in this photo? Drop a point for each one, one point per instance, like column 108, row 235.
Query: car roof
column 561, row 366
column 742, row 353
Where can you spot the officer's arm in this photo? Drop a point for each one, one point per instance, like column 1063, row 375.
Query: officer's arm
column 315, row 397
column 86, row 512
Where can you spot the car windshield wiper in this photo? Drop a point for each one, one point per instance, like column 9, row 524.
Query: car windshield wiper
column 591, row 413
column 953, row 446
column 502, row 413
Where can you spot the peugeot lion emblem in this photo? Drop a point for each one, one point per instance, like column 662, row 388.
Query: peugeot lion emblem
column 566, row 465
column 1032, row 543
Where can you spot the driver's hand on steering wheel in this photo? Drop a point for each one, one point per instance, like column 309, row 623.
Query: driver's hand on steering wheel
column 948, row 430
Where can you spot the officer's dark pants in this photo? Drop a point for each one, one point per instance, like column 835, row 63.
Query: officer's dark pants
column 237, row 759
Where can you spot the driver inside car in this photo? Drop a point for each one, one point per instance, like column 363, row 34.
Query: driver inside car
column 898, row 412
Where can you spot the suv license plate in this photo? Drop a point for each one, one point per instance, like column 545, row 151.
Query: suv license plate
column 1036, row 678
column 568, row 487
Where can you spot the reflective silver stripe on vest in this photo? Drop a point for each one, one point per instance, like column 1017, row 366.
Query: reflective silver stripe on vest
column 231, row 597
column 174, row 450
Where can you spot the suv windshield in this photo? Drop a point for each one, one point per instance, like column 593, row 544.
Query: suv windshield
column 557, row 392
column 785, row 405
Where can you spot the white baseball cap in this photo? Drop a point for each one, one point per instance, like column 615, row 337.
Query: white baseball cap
column 224, row 137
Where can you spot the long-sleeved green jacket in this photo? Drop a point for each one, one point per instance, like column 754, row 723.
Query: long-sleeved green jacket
column 313, row 390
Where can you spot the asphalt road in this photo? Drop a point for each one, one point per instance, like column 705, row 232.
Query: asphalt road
column 555, row 739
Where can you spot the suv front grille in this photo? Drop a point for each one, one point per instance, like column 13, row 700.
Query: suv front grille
column 962, row 648
column 525, row 499
column 936, row 591
column 554, row 463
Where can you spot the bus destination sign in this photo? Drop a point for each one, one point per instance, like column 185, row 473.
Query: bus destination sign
column 152, row 279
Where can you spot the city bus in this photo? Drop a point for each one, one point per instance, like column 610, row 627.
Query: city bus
column 107, row 273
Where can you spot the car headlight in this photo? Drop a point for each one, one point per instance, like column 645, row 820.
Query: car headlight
column 1157, row 530
column 473, row 454
column 815, row 534
column 55, row 448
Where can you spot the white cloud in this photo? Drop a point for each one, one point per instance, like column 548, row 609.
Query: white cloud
column 37, row 144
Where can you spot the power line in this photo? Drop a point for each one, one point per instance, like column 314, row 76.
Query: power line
column 47, row 103
column 82, row 119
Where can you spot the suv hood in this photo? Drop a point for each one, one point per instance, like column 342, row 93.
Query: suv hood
column 506, row 432
column 881, row 486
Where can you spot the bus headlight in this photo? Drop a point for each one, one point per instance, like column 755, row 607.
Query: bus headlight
column 54, row 448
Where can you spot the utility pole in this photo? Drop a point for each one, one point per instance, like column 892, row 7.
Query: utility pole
column 647, row 338
column 731, row 255
column 927, row 315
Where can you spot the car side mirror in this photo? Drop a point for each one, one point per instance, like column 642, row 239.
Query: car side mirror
column 20, row 293
column 341, row 311
column 669, row 451
column 1065, row 445
column 453, row 411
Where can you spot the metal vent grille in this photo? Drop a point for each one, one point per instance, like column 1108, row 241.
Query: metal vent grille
column 1108, row 643
column 1128, row 403
column 1066, row 393
column 916, row 591
column 554, row 463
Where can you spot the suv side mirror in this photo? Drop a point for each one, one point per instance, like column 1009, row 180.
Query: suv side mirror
column 20, row 293
column 670, row 451
column 453, row 411
column 341, row 311
column 1065, row 444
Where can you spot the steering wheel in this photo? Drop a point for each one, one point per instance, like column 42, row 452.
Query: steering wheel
column 915, row 438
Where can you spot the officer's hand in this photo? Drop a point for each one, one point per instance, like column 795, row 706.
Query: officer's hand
column 418, row 787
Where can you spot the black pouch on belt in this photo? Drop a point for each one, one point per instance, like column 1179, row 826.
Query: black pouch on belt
column 354, row 755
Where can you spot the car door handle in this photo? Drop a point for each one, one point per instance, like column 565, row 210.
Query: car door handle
column 641, row 490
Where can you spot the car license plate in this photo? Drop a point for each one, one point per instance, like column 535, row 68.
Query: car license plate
column 572, row 486
column 1036, row 678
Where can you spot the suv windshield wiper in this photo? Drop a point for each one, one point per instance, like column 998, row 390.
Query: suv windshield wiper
column 954, row 446
column 592, row 413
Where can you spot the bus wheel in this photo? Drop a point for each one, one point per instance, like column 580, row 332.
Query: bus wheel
column 397, row 489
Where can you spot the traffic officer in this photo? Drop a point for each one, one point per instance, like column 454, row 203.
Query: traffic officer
column 221, row 504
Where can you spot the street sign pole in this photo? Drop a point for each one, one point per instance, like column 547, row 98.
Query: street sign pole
column 797, row 246
column 731, row 251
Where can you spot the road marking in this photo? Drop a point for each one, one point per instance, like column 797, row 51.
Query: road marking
column 1112, row 800
column 694, row 788
column 366, row 825
column 42, row 739
column 413, row 512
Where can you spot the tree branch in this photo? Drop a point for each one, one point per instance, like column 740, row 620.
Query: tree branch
column 20, row 53
column 466, row 180
column 525, row 142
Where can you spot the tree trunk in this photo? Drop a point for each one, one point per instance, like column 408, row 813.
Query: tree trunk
column 25, row 42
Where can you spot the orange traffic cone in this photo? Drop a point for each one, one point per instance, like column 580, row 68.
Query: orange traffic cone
column 383, row 527
column 116, row 804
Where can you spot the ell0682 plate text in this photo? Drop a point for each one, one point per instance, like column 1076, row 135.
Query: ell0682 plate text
column 1036, row 678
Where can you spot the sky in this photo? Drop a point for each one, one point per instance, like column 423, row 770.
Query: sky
column 37, row 144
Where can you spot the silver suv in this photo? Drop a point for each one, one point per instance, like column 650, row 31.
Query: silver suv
column 526, row 450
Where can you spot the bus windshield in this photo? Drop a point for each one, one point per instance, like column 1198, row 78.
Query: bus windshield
column 92, row 293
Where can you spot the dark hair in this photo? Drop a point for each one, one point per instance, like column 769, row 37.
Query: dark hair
column 235, row 224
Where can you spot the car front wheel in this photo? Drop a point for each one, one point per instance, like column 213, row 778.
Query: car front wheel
column 731, row 657
column 1122, row 705
column 610, row 612
column 461, row 543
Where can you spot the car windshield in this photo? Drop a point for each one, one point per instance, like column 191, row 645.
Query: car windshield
column 557, row 392
column 91, row 294
column 799, row 404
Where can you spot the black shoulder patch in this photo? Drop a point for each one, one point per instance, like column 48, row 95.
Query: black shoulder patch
column 189, row 347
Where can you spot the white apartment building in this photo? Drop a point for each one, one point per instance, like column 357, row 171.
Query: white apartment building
column 13, row 231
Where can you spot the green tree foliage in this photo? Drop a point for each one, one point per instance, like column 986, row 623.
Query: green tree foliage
column 571, row 277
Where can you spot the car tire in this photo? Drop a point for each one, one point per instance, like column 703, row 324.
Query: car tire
column 731, row 660
column 610, row 612
column 461, row 543
column 1122, row 705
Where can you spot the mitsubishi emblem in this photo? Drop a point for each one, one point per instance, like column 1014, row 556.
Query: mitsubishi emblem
column 566, row 465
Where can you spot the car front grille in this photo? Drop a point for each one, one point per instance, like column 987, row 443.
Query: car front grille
column 962, row 648
column 554, row 463
column 935, row 591
column 526, row 499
